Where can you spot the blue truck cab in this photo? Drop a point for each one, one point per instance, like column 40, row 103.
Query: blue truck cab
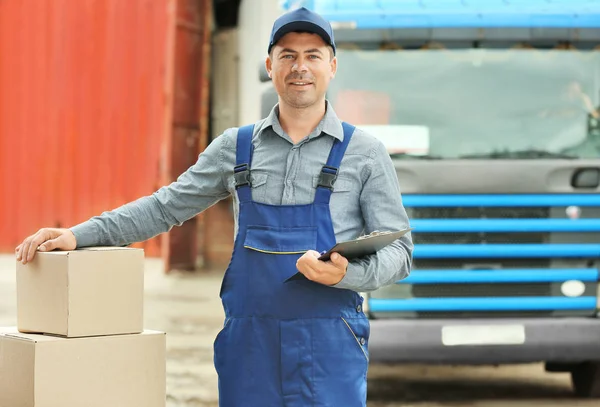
column 490, row 111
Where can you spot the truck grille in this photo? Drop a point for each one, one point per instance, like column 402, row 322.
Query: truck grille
column 480, row 290
column 480, row 213
column 496, row 255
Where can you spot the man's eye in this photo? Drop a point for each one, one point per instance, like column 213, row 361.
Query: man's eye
column 288, row 56
column 313, row 56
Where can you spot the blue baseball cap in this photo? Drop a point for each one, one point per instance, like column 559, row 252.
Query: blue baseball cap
column 301, row 20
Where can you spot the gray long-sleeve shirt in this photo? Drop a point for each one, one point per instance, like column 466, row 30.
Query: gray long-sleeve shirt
column 366, row 195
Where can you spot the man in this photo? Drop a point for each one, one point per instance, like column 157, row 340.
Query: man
column 295, row 333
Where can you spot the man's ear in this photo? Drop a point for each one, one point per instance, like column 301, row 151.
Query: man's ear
column 269, row 66
column 333, row 67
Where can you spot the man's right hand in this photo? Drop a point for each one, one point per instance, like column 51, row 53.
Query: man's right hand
column 44, row 240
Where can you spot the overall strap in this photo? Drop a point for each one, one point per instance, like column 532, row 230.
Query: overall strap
column 243, row 158
column 330, row 170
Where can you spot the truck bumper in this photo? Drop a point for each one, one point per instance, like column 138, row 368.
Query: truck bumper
column 426, row 341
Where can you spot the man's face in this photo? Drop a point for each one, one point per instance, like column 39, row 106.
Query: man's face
column 301, row 66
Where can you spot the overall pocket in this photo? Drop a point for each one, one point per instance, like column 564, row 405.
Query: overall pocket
column 361, row 341
column 276, row 250
column 340, row 361
column 271, row 240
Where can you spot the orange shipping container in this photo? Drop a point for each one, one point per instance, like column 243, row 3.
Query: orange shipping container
column 86, row 108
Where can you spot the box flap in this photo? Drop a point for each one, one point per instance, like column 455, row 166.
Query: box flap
column 37, row 338
column 82, row 249
column 107, row 248
column 8, row 330
column 33, row 337
column 151, row 332
column 54, row 253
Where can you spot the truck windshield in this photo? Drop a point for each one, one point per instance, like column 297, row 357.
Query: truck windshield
column 478, row 103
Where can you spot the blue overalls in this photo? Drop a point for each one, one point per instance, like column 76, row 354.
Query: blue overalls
column 287, row 341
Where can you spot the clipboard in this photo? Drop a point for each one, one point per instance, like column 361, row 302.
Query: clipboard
column 364, row 245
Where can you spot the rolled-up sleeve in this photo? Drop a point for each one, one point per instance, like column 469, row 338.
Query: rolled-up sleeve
column 382, row 209
column 198, row 188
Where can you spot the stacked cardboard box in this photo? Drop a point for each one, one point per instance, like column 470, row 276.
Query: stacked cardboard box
column 79, row 339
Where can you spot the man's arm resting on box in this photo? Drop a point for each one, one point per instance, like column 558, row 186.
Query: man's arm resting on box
column 198, row 188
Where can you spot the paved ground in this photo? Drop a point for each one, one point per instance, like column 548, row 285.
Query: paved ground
column 188, row 309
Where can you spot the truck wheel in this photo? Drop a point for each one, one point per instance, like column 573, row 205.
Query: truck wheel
column 586, row 380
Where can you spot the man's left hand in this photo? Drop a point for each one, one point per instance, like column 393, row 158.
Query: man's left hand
column 324, row 272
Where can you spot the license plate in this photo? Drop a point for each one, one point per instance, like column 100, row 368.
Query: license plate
column 457, row 335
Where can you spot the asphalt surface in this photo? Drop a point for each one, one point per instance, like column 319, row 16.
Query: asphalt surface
column 188, row 309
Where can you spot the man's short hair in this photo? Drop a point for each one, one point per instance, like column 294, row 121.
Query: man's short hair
column 329, row 47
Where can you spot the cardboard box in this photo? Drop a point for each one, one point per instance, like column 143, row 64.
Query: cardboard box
column 101, row 371
column 86, row 292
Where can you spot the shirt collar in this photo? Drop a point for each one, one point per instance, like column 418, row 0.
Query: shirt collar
column 330, row 124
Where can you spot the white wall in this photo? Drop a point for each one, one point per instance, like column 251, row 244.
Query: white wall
column 255, row 22
column 225, row 80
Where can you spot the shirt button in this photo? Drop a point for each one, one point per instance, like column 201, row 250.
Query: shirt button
column 289, row 182
column 359, row 308
column 362, row 341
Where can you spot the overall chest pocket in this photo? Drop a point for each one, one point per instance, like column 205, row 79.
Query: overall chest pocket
column 341, row 184
column 273, row 240
column 275, row 251
column 259, row 185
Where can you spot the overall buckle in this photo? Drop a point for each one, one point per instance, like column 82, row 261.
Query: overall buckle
column 241, row 173
column 327, row 177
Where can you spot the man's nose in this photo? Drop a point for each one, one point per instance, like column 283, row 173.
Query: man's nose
column 300, row 66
